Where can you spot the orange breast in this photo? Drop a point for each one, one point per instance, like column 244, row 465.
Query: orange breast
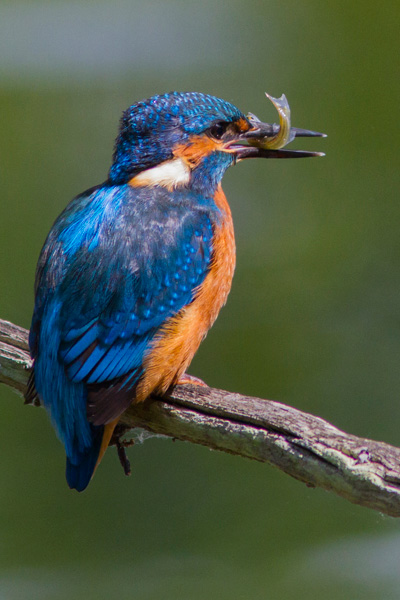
column 179, row 339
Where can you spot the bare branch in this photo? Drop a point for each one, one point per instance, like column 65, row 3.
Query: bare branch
column 306, row 447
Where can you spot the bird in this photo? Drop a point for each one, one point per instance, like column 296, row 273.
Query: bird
column 134, row 271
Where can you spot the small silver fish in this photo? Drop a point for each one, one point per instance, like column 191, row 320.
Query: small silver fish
column 278, row 136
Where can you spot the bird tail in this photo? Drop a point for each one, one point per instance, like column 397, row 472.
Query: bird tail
column 66, row 402
column 81, row 467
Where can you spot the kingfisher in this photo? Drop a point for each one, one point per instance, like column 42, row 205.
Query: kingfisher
column 135, row 270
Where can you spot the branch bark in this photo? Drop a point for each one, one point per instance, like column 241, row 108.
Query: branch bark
column 306, row 447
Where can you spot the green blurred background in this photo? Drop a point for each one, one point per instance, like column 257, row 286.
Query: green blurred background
column 312, row 319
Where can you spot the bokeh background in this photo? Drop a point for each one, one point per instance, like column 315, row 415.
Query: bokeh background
column 312, row 319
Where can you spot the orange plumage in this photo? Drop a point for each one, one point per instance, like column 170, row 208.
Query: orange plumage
column 178, row 340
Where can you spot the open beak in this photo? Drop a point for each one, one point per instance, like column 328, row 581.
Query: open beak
column 265, row 140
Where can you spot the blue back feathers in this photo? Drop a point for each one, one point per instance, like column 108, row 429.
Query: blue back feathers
column 116, row 265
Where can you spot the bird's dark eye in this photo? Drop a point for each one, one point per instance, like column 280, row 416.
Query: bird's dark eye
column 218, row 130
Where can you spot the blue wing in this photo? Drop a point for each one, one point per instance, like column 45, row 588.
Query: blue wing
column 117, row 264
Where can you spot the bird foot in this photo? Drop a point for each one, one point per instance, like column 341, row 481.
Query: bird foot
column 123, row 459
column 190, row 379
column 121, row 445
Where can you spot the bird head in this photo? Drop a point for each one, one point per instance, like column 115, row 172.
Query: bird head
column 190, row 139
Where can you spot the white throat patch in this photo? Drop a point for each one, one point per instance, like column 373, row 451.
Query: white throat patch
column 170, row 174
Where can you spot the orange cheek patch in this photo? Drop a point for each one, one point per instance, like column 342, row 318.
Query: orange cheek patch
column 196, row 149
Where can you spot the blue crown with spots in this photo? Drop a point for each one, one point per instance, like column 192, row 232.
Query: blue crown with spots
column 151, row 128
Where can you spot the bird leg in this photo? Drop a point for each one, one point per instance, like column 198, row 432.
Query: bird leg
column 123, row 459
column 121, row 445
column 120, row 430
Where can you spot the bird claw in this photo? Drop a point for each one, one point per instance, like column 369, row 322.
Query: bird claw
column 191, row 380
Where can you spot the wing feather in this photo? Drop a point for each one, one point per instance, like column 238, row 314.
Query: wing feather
column 136, row 285
column 119, row 262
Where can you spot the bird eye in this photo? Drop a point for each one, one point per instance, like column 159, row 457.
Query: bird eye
column 218, row 130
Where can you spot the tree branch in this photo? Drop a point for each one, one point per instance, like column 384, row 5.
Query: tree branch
column 363, row 471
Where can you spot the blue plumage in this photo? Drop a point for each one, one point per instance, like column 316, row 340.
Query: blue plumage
column 78, row 473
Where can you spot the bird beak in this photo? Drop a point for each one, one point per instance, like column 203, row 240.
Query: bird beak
column 265, row 140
